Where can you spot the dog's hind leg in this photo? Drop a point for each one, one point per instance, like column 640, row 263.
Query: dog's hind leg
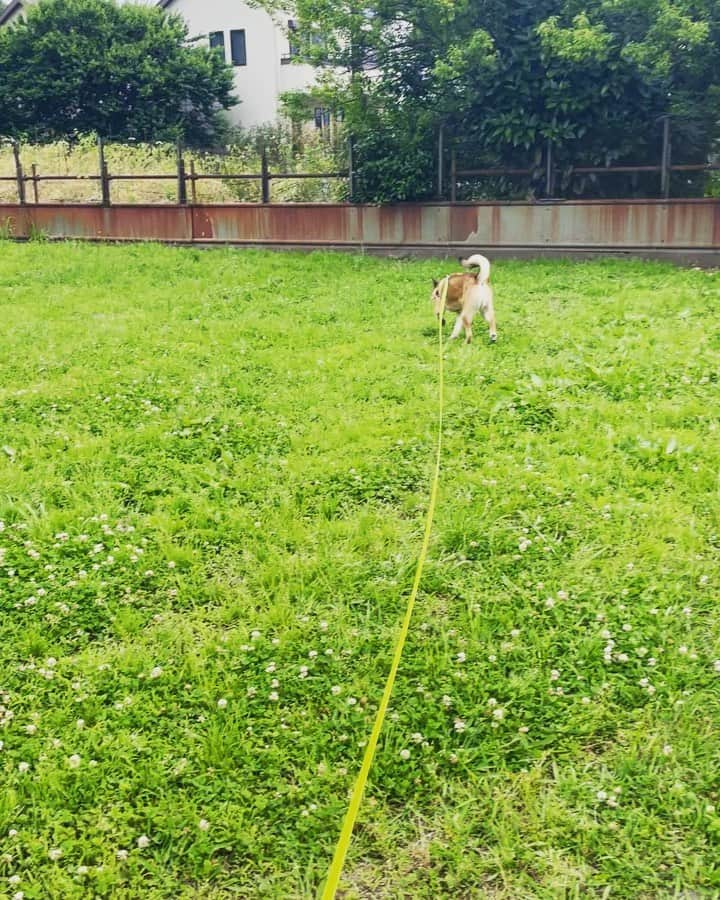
column 489, row 316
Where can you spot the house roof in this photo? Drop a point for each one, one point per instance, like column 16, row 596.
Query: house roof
column 11, row 8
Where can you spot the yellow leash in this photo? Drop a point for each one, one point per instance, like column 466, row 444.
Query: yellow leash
column 343, row 844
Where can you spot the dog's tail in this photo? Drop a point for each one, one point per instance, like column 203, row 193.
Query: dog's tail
column 477, row 259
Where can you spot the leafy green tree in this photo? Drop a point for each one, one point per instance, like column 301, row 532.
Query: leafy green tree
column 129, row 71
column 590, row 78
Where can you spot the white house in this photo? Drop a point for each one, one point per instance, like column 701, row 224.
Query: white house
column 255, row 44
column 258, row 48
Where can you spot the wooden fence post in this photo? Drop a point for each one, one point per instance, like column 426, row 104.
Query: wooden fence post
column 181, row 183
column 104, row 177
column 193, row 188
column 19, row 176
column 35, row 183
column 265, row 176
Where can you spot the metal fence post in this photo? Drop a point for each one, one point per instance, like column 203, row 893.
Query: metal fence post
column 104, row 177
column 181, row 183
column 265, row 178
column 453, row 177
column 440, row 163
column 549, row 180
column 666, row 155
column 351, row 171
column 19, row 176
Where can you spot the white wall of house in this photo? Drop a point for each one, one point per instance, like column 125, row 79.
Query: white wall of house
column 264, row 76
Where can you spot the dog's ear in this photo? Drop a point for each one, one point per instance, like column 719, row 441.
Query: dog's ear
column 435, row 282
column 460, row 260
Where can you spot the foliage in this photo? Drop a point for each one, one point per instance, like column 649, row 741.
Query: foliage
column 130, row 71
column 214, row 469
column 506, row 79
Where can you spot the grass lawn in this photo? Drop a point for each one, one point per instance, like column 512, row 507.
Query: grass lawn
column 214, row 469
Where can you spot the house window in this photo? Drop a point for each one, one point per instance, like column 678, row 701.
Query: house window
column 217, row 42
column 322, row 118
column 286, row 58
column 237, row 47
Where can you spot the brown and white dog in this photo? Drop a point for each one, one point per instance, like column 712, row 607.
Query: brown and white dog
column 467, row 293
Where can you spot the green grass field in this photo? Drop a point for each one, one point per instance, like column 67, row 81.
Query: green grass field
column 214, row 469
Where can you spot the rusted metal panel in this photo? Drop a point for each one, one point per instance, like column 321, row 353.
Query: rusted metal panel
column 282, row 223
column 691, row 225
column 141, row 223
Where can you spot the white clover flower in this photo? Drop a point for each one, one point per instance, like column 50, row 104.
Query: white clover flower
column 203, row 825
column 143, row 841
column 405, row 754
column 273, row 696
column 55, row 854
column 461, row 657
column 335, row 690
column 222, row 703
column 447, row 701
column 499, row 713
column 554, row 675
column 667, row 750
column 459, row 726
column 121, row 855
column 323, row 626
column 549, row 603
column 601, row 796
column 74, row 761
column 82, row 870
column 417, row 737
column 23, row 767
column 156, row 672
